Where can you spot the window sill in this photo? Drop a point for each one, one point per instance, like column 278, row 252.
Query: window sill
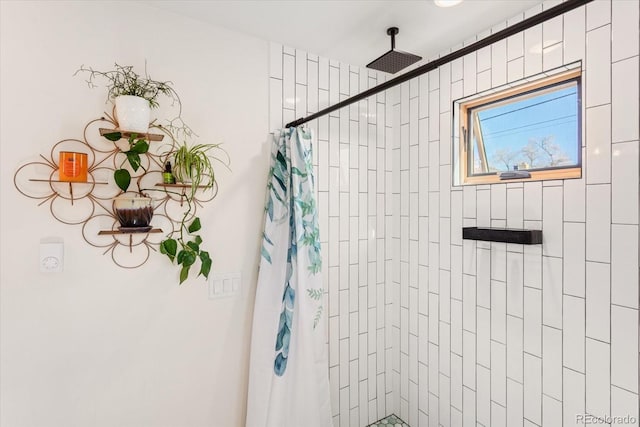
column 544, row 175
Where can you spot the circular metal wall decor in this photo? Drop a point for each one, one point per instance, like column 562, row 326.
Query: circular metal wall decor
column 88, row 203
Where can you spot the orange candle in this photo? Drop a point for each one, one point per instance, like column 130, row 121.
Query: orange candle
column 73, row 166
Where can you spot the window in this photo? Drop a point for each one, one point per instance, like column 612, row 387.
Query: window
column 527, row 132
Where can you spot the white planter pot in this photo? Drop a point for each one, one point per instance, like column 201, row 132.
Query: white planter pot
column 133, row 113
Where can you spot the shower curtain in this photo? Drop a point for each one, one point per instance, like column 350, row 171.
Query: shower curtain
column 288, row 376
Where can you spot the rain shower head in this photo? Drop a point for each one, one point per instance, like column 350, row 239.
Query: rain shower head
column 394, row 60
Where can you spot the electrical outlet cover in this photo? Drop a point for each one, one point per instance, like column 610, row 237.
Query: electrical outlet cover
column 51, row 257
column 222, row 285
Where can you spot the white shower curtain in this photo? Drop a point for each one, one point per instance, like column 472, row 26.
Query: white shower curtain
column 288, row 378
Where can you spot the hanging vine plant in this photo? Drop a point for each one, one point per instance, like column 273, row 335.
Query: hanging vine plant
column 194, row 167
column 137, row 146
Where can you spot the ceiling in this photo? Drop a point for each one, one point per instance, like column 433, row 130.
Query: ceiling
column 353, row 31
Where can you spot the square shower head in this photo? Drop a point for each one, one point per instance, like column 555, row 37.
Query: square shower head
column 394, row 61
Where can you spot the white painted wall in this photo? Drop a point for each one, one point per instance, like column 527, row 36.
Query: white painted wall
column 98, row 345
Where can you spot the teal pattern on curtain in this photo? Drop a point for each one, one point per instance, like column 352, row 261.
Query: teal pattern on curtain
column 291, row 192
column 289, row 366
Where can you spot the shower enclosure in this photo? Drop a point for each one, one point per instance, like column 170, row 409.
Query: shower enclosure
column 439, row 329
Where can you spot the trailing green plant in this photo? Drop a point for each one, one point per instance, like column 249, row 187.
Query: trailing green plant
column 137, row 146
column 123, row 80
column 185, row 249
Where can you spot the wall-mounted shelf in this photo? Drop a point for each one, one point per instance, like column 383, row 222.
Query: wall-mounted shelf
column 70, row 182
column 130, row 231
column 184, row 187
column 181, row 185
column 71, row 196
column 126, row 134
column 504, row 235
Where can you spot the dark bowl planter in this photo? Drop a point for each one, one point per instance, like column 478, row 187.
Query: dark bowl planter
column 133, row 211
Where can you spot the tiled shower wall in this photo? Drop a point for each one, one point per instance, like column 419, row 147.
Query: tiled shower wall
column 443, row 331
column 352, row 180
column 498, row 334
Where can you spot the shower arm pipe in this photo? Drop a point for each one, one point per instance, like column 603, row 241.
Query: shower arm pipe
column 489, row 40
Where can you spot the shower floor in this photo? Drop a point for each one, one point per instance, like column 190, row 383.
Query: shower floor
column 390, row 421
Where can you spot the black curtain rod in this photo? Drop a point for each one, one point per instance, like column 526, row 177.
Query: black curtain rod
column 500, row 35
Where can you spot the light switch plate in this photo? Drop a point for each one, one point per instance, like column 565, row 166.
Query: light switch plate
column 222, row 285
column 51, row 257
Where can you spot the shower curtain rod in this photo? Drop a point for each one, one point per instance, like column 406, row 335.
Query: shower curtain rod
column 500, row 35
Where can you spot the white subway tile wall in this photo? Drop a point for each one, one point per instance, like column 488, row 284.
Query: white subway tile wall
column 441, row 331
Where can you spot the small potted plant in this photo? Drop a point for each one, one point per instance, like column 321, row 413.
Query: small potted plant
column 193, row 166
column 134, row 95
column 133, row 211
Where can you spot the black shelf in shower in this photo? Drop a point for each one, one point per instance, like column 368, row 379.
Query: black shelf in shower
column 505, row 235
